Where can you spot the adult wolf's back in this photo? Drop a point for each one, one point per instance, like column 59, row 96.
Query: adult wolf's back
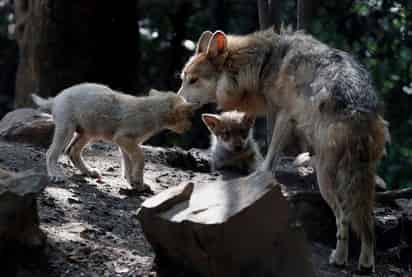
column 321, row 92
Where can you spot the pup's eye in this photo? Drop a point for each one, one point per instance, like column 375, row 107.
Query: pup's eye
column 193, row 80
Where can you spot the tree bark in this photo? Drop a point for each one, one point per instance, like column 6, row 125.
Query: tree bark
column 217, row 15
column 62, row 43
column 305, row 12
column 176, row 50
column 269, row 15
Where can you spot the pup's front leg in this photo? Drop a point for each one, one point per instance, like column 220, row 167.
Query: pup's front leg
column 75, row 150
column 126, row 166
column 61, row 138
column 281, row 133
column 133, row 162
column 137, row 161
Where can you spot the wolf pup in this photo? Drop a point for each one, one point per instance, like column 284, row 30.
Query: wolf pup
column 322, row 92
column 232, row 143
column 92, row 111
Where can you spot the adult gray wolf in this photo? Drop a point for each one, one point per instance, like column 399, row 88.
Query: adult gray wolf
column 321, row 92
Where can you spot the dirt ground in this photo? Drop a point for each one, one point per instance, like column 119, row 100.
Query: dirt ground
column 91, row 224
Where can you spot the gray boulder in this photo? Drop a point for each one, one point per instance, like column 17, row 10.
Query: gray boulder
column 27, row 126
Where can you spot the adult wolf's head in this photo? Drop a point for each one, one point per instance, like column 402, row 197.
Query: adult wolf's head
column 201, row 73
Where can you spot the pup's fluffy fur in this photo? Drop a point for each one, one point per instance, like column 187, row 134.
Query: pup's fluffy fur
column 232, row 143
column 88, row 111
column 321, row 92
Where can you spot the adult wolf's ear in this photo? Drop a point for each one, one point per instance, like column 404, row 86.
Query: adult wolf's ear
column 249, row 120
column 203, row 42
column 211, row 121
column 217, row 45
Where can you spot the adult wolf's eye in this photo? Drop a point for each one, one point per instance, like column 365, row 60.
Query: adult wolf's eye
column 193, row 80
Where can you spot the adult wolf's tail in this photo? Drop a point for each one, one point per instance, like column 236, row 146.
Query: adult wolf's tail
column 44, row 104
column 356, row 182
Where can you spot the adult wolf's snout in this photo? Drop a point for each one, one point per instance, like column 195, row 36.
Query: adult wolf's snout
column 190, row 96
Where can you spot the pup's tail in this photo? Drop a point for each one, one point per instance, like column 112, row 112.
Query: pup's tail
column 44, row 104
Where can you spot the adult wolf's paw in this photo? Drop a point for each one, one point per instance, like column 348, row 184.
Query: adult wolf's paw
column 335, row 260
column 364, row 271
column 56, row 179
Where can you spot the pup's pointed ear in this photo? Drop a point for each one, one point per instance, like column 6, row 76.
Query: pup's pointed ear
column 211, row 121
column 155, row 92
column 203, row 42
column 249, row 120
column 217, row 45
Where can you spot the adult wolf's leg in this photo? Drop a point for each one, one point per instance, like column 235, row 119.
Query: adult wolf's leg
column 326, row 170
column 281, row 132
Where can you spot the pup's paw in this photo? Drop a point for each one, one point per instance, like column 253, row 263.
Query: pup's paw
column 57, row 179
column 364, row 271
column 94, row 173
column 263, row 167
column 135, row 191
column 139, row 187
column 335, row 260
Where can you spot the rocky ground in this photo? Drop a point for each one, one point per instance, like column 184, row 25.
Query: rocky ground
column 92, row 227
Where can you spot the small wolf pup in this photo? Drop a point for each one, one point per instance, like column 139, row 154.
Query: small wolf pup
column 321, row 92
column 232, row 143
column 88, row 111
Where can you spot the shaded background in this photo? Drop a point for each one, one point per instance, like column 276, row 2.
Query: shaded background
column 132, row 46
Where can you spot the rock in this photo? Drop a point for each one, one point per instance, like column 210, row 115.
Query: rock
column 27, row 126
column 388, row 228
column 239, row 227
column 316, row 218
column 406, row 209
column 187, row 160
column 19, row 220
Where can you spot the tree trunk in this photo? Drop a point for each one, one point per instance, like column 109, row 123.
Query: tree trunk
column 305, row 12
column 217, row 15
column 63, row 43
column 269, row 15
column 176, row 50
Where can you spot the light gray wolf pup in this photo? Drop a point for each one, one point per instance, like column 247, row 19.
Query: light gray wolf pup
column 89, row 111
column 321, row 92
column 232, row 143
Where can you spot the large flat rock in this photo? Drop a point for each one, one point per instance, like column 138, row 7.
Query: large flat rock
column 239, row 227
